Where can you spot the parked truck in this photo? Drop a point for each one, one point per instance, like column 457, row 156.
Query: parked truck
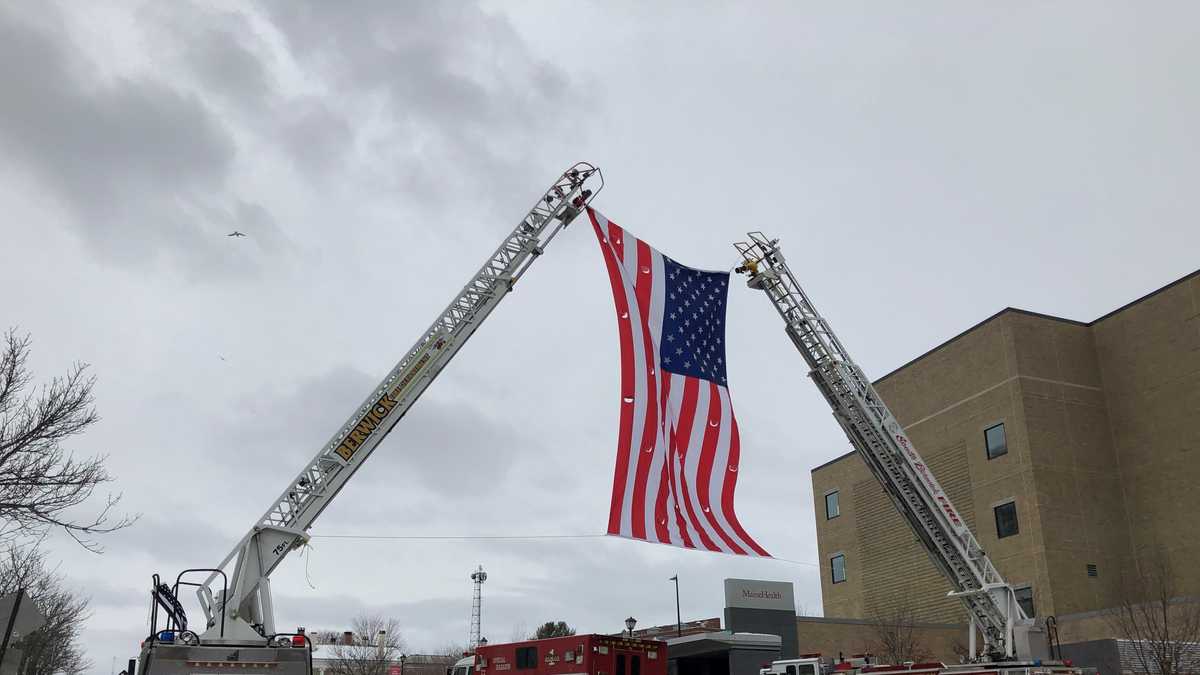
column 572, row 655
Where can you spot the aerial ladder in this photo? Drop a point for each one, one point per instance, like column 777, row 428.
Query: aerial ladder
column 1007, row 634
column 235, row 596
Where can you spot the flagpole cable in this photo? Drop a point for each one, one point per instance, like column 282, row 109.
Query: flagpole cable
column 504, row 537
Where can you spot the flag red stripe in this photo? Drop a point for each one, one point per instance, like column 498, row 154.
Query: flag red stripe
column 620, row 474
column 683, row 439
column 616, row 239
column 712, row 432
column 660, row 502
column 673, row 456
column 645, row 453
column 731, row 483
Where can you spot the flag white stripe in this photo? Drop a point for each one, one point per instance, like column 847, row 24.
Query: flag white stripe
column 720, row 471
column 678, row 512
column 692, row 465
column 654, row 319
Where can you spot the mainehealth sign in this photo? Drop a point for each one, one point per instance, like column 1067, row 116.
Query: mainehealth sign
column 755, row 594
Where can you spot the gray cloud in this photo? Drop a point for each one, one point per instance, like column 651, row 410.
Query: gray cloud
column 457, row 102
column 234, row 64
column 135, row 161
column 444, row 448
column 923, row 167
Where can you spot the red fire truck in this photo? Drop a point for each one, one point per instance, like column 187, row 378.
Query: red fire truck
column 573, row 655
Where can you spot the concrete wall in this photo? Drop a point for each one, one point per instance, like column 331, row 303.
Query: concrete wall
column 767, row 622
column 1099, row 654
column 748, row 661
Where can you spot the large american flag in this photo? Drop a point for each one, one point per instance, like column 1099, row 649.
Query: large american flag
column 678, row 446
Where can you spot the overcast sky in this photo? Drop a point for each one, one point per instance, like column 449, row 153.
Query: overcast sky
column 925, row 164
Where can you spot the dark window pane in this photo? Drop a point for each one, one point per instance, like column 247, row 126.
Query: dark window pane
column 1092, row 570
column 791, row 670
column 636, row 662
column 1025, row 600
column 1006, row 520
column 831, row 505
column 526, row 657
column 996, row 442
column 620, row 664
column 837, row 565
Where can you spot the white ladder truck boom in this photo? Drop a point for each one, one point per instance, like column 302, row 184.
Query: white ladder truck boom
column 236, row 595
column 891, row 456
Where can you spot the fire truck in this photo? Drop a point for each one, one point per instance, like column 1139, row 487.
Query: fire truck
column 237, row 629
column 573, row 655
column 1013, row 644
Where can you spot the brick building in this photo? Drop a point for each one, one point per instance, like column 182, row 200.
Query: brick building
column 1071, row 448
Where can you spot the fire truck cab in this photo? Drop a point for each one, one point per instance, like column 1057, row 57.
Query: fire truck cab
column 573, row 655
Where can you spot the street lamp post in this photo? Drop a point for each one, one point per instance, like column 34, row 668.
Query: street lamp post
column 630, row 623
column 403, row 658
column 678, row 618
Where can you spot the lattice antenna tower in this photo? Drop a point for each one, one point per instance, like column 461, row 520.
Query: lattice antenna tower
column 478, row 576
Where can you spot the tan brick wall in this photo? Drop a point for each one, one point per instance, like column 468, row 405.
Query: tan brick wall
column 1103, row 430
column 890, row 552
column 839, row 535
column 1076, row 486
column 886, row 566
column 1149, row 356
column 830, row 637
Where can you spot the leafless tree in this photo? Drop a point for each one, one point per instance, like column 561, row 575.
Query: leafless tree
column 453, row 649
column 1162, row 627
column 961, row 650
column 40, row 482
column 53, row 648
column 377, row 644
column 896, row 639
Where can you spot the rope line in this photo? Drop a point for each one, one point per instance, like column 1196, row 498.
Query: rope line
column 497, row 537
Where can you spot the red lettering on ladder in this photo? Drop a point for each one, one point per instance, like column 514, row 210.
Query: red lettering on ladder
column 949, row 510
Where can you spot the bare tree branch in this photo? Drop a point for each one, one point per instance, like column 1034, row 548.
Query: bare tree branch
column 377, row 643
column 41, row 484
column 55, row 647
column 1162, row 627
column 896, row 640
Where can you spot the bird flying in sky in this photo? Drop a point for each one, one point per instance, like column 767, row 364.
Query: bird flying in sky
column 235, row 233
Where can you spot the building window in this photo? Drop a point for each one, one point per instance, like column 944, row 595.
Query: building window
column 997, row 443
column 1006, row 520
column 837, row 565
column 1092, row 570
column 526, row 658
column 1025, row 600
column 635, row 663
column 620, row 664
column 831, row 505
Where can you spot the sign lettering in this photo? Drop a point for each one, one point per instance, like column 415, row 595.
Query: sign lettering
column 366, row 426
column 383, row 407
